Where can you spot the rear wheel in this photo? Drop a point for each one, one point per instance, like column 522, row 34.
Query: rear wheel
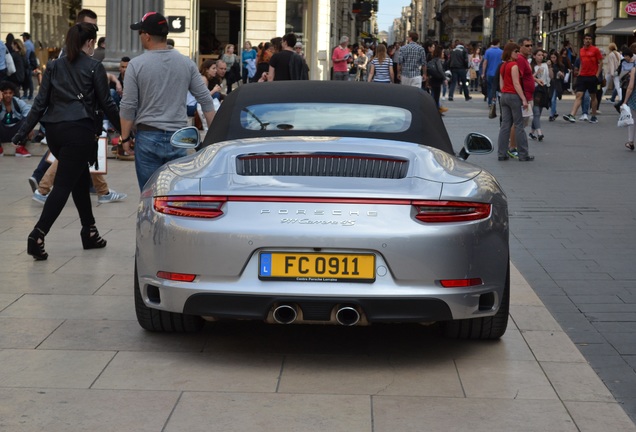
column 162, row 321
column 492, row 327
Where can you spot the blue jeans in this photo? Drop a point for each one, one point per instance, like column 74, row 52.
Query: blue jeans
column 152, row 150
column 553, row 103
column 490, row 83
column 536, row 117
column 585, row 103
column 115, row 96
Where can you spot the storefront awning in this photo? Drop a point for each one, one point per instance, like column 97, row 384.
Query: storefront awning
column 619, row 27
column 570, row 28
column 586, row 25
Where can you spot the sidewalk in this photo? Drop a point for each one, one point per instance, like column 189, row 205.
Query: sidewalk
column 74, row 358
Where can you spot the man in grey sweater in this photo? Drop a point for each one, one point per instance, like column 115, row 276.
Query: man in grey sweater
column 156, row 84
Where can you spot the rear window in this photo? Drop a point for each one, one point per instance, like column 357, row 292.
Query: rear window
column 326, row 116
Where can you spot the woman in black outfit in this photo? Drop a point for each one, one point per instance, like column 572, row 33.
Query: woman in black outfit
column 437, row 76
column 73, row 88
column 18, row 53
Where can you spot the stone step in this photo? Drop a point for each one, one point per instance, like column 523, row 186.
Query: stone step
column 36, row 149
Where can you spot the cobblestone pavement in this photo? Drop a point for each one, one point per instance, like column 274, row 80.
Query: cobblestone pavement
column 74, row 359
column 573, row 214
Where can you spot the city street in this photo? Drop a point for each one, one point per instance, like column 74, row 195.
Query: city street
column 74, row 358
column 572, row 216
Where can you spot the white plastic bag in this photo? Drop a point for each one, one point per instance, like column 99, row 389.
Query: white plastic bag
column 625, row 118
column 10, row 63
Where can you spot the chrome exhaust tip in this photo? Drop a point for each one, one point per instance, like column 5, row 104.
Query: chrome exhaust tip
column 347, row 316
column 285, row 314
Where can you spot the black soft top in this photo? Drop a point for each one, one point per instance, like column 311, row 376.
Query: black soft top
column 426, row 127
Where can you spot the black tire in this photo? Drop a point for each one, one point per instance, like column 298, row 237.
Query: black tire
column 485, row 328
column 161, row 321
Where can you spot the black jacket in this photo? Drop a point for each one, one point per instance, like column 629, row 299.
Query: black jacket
column 20, row 69
column 459, row 58
column 57, row 101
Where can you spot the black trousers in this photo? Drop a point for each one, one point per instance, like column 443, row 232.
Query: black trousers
column 71, row 143
column 7, row 131
column 436, row 90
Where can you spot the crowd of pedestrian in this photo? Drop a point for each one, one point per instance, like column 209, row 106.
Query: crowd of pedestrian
column 519, row 81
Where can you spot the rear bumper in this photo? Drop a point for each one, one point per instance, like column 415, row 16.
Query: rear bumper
column 375, row 309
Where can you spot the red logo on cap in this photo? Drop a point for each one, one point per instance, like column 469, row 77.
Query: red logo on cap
column 147, row 15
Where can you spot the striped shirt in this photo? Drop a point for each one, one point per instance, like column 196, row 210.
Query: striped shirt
column 381, row 70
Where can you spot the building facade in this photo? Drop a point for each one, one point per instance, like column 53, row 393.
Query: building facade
column 200, row 28
column 548, row 22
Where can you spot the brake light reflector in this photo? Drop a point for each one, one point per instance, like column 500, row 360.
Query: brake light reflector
column 450, row 211
column 461, row 283
column 191, row 206
column 178, row 277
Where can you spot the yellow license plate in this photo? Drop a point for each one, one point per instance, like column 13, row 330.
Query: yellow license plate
column 316, row 267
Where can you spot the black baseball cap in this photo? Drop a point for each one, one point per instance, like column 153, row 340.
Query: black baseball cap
column 152, row 23
column 25, row 34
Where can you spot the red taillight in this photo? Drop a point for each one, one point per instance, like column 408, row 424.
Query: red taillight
column 450, row 211
column 460, row 283
column 178, row 277
column 191, row 206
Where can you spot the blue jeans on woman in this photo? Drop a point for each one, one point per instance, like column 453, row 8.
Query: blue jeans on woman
column 553, row 104
column 152, row 150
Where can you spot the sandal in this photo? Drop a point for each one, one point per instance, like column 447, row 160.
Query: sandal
column 630, row 145
column 35, row 245
column 91, row 239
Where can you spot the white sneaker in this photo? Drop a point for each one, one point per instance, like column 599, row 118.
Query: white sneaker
column 443, row 97
column 583, row 118
column 38, row 197
column 111, row 196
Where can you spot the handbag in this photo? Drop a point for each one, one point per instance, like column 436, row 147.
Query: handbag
column 625, row 118
column 541, row 97
column 10, row 64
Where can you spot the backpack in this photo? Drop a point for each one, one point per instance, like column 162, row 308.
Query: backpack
column 624, row 82
column 619, row 69
column 298, row 69
column 16, row 105
column 33, row 61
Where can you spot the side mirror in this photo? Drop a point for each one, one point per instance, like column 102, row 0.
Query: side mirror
column 475, row 143
column 187, row 137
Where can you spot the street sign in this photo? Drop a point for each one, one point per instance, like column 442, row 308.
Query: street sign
column 522, row 10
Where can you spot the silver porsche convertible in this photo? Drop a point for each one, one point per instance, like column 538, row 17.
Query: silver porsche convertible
column 324, row 202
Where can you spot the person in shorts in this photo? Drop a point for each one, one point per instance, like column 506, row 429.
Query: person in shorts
column 588, row 78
